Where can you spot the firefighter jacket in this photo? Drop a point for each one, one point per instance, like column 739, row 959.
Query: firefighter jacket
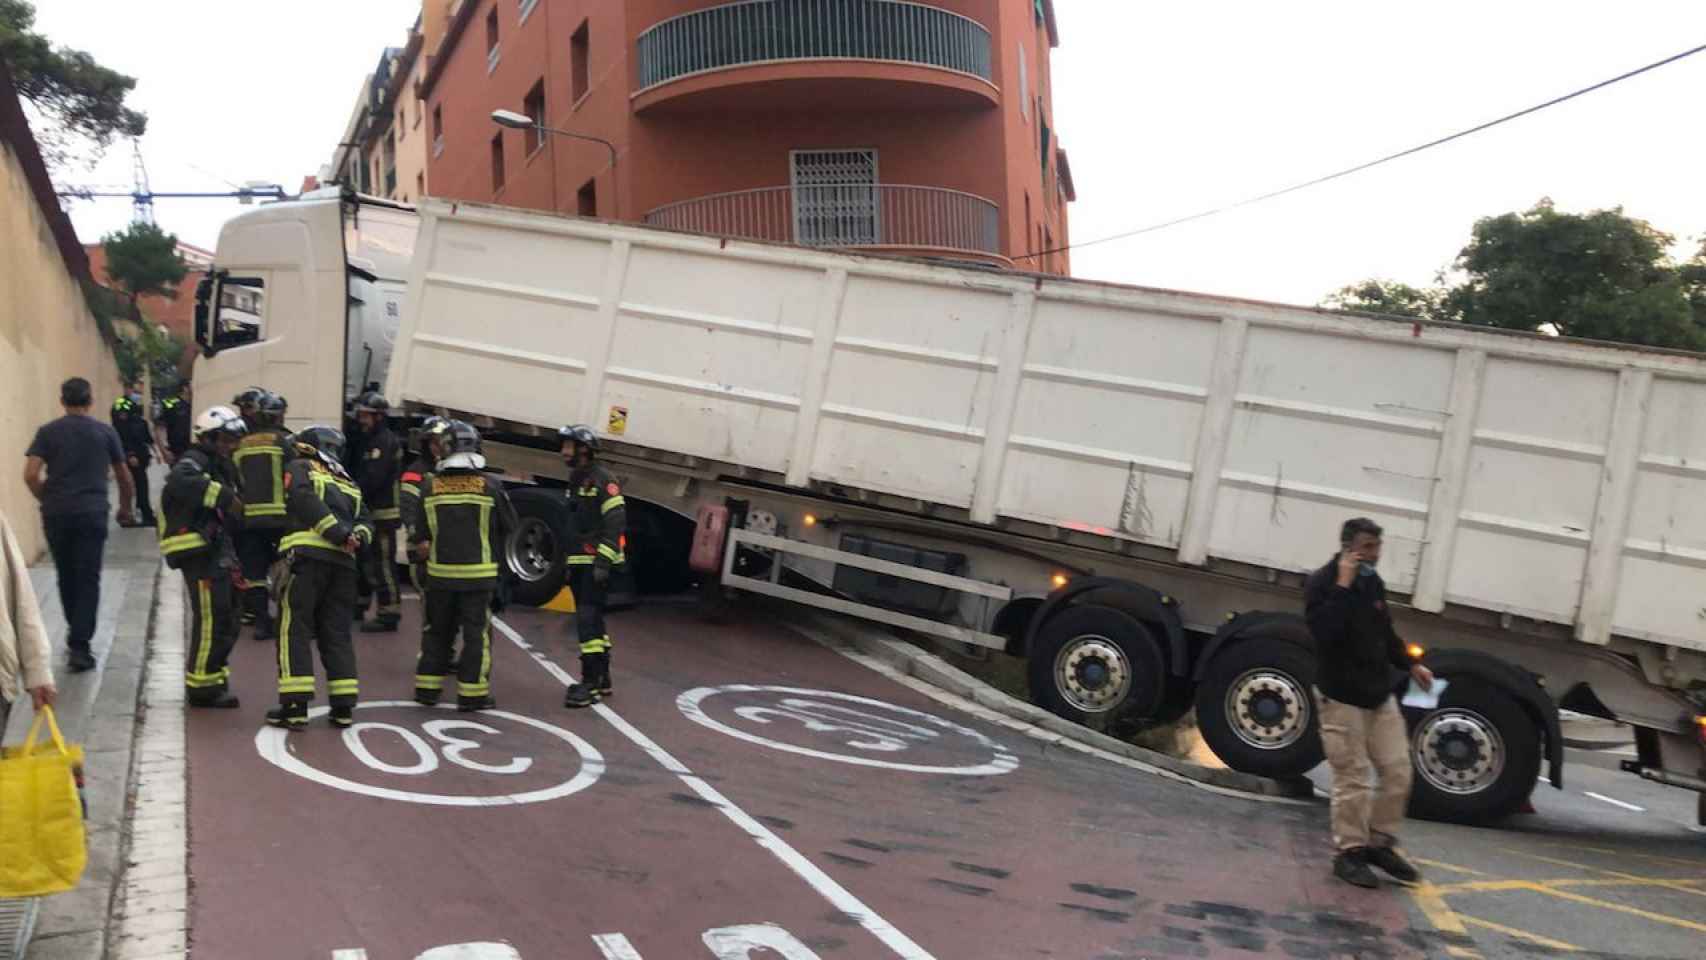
column 175, row 417
column 409, row 494
column 260, row 461
column 598, row 521
column 325, row 509
column 467, row 517
column 377, row 472
column 131, row 424
column 199, row 510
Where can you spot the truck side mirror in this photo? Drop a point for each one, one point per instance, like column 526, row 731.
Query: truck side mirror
column 203, row 330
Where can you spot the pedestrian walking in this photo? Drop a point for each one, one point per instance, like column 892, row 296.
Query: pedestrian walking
column 464, row 517
column 25, row 652
column 136, row 436
column 328, row 527
column 202, row 513
column 76, row 451
column 598, row 522
column 172, row 425
column 378, row 473
column 1360, row 663
column 259, row 460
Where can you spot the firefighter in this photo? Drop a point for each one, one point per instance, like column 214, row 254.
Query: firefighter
column 463, row 520
column 247, row 403
column 597, row 522
column 130, row 421
column 199, row 508
column 378, row 473
column 430, row 448
column 172, row 426
column 260, row 462
column 328, row 527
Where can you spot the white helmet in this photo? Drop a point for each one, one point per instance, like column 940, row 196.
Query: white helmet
column 219, row 419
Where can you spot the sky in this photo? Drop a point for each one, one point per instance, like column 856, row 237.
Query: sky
column 1165, row 108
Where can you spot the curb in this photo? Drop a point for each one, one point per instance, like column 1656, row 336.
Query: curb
column 932, row 669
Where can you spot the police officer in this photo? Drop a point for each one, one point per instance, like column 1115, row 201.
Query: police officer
column 378, row 473
column 430, row 448
column 328, row 527
column 597, row 522
column 137, row 437
column 260, row 461
column 464, row 519
column 200, row 506
column 172, row 426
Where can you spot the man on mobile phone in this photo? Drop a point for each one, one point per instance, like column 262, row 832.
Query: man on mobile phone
column 1361, row 661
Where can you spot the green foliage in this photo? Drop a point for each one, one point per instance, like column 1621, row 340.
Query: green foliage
column 143, row 259
column 82, row 101
column 1388, row 297
column 151, row 350
column 1599, row 275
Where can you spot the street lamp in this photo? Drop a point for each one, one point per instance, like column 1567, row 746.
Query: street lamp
column 521, row 121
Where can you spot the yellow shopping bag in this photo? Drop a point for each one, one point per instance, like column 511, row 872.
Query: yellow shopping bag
column 41, row 815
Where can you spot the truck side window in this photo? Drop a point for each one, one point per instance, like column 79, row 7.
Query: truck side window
column 242, row 312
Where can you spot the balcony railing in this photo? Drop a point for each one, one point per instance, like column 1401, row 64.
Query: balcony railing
column 880, row 215
column 761, row 31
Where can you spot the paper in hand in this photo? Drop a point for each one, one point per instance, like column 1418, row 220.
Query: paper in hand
column 1421, row 699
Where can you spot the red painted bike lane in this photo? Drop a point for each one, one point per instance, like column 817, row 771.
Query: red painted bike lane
column 746, row 781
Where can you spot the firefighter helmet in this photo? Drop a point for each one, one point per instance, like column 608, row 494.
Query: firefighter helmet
column 582, row 435
column 217, row 420
column 271, row 408
column 372, row 402
column 326, row 441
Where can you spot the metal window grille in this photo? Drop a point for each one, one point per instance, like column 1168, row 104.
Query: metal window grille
column 835, row 197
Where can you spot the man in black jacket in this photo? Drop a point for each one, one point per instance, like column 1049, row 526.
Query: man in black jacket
column 1360, row 662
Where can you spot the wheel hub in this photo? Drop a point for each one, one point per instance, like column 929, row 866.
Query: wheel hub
column 1268, row 709
column 1458, row 751
column 531, row 549
column 1092, row 674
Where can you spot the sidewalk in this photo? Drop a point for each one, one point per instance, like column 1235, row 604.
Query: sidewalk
column 97, row 709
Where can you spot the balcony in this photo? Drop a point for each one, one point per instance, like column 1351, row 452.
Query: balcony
column 816, row 53
column 916, row 221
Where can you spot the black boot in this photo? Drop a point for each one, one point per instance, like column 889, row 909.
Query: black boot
column 291, row 716
column 342, row 715
column 1393, row 864
column 383, row 623
column 580, row 695
column 598, row 677
column 1351, row 866
column 220, row 700
column 426, row 698
column 471, row 704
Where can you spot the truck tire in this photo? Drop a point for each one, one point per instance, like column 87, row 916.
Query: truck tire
column 535, row 549
column 1255, row 709
column 1096, row 663
column 1476, row 755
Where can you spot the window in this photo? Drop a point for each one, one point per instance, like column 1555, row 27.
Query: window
column 1024, row 86
column 527, row 8
column 580, row 49
column 437, row 129
column 492, row 39
column 835, row 197
column 586, row 199
column 534, row 107
column 497, row 161
column 242, row 311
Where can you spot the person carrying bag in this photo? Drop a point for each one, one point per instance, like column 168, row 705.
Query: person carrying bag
column 42, row 847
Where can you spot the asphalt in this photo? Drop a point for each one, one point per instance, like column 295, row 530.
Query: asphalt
column 747, row 784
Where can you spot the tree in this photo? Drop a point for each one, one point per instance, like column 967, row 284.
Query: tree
column 1388, row 297
column 82, row 101
column 143, row 259
column 1599, row 275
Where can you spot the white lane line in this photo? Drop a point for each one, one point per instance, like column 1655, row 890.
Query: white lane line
column 349, row 955
column 825, row 885
column 1613, row 801
column 615, row 946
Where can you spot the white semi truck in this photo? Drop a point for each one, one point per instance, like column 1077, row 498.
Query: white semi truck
column 1125, row 487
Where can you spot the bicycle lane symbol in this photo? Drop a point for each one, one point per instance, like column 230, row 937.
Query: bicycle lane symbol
column 415, row 742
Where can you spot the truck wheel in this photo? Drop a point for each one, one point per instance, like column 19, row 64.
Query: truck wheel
column 1254, row 708
column 535, row 548
column 1093, row 662
column 1477, row 755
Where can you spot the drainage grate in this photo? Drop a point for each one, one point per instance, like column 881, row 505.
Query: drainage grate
column 17, row 920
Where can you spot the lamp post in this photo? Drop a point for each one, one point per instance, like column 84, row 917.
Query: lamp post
column 520, row 121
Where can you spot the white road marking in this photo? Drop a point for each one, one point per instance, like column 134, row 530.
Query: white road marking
column 826, row 887
column 349, row 955
column 615, row 946
column 738, row 943
column 870, row 731
column 1613, row 801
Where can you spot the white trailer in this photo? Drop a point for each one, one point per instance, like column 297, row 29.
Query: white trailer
column 1123, row 486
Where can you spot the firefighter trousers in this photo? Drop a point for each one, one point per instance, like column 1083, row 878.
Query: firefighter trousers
column 449, row 612
column 590, row 631
column 256, row 550
column 213, row 632
column 379, row 569
column 315, row 610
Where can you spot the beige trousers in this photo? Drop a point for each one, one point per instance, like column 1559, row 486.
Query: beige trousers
column 1369, row 752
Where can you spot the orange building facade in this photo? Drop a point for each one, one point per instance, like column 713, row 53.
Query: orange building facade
column 921, row 129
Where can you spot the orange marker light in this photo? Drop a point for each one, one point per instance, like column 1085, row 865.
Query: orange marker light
column 1415, row 651
column 1700, row 727
column 811, row 520
column 1059, row 580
